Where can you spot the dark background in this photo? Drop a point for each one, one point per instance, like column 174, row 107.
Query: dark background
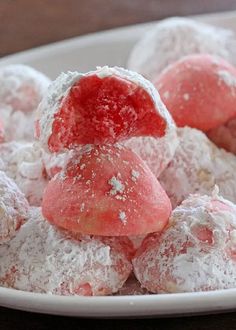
column 29, row 23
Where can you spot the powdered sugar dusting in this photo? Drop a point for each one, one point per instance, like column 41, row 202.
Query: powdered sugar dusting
column 117, row 186
column 173, row 38
column 134, row 175
column 122, row 217
column 22, row 87
column 13, row 208
column 196, row 252
column 227, row 78
column 197, row 166
column 23, row 163
column 60, row 264
column 156, row 152
column 61, row 87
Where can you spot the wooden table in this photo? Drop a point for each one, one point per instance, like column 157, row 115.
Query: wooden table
column 26, row 24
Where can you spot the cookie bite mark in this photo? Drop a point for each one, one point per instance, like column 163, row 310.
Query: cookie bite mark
column 99, row 107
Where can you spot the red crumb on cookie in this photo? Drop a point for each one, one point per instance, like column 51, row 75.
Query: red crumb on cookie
column 100, row 107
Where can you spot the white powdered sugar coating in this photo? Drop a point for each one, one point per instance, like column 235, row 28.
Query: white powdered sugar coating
column 55, row 163
column 224, row 136
column 42, row 258
column 13, row 208
column 198, row 165
column 61, row 87
column 18, row 125
column 23, row 163
column 117, row 186
column 196, row 252
column 22, row 87
column 173, row 38
column 156, row 152
column 227, row 78
column 50, row 104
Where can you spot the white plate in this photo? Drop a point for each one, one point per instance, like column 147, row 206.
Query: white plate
column 84, row 53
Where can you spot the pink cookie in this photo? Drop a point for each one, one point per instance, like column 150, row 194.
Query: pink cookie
column 197, row 166
column 199, row 91
column 22, row 87
column 106, row 190
column 13, row 208
column 224, row 136
column 196, row 252
column 99, row 107
column 41, row 258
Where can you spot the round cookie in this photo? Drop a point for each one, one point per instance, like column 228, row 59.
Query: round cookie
column 106, row 190
column 196, row 252
column 22, row 87
column 199, row 91
column 42, row 258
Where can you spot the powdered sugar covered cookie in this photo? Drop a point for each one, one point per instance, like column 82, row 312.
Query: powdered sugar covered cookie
column 196, row 252
column 13, row 208
column 173, row 38
column 197, row 166
column 103, row 106
column 199, row 91
column 156, row 152
column 41, row 258
column 22, row 87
